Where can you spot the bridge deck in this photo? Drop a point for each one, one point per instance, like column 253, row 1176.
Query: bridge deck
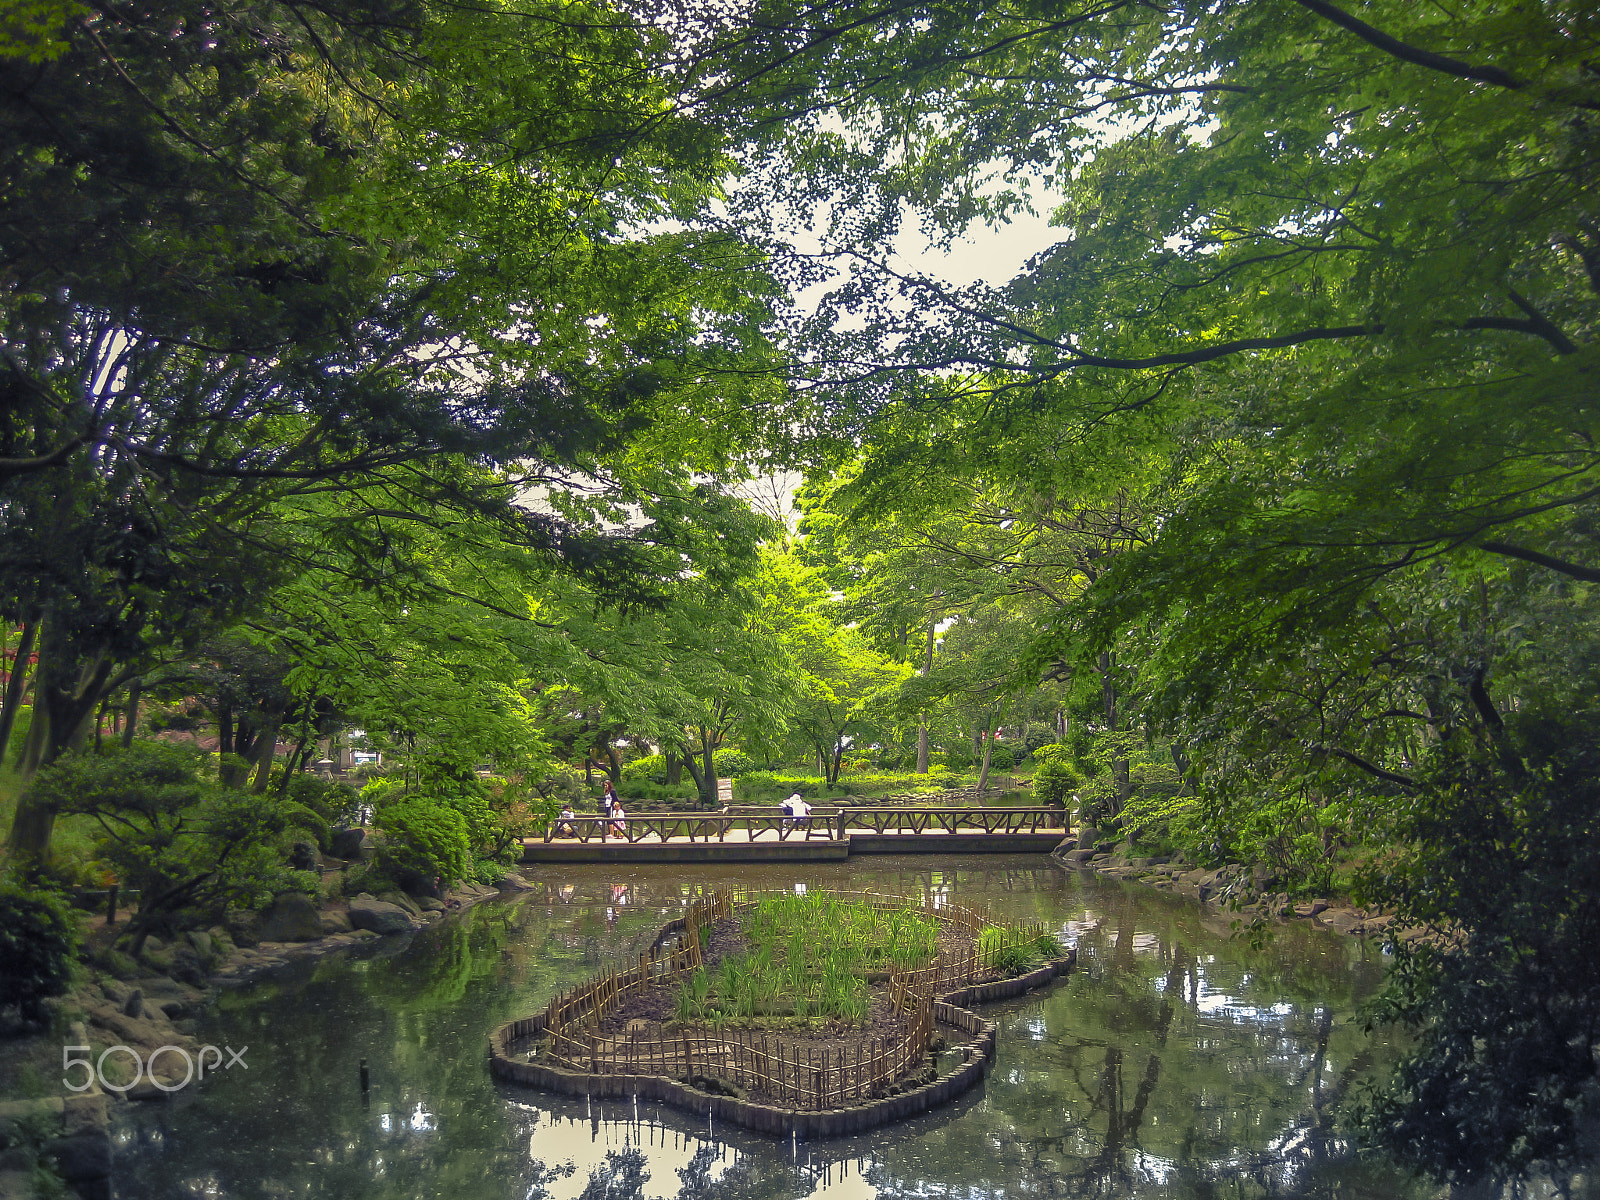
column 761, row 836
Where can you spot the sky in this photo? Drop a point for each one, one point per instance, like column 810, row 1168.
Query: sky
column 990, row 255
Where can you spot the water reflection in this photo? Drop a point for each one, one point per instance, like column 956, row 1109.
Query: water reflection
column 1174, row 1063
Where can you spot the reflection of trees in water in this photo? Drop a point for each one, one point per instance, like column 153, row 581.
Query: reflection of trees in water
column 621, row 1177
column 1129, row 1078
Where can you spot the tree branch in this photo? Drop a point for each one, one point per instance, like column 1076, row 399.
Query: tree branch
column 1587, row 574
column 1411, row 54
column 1370, row 768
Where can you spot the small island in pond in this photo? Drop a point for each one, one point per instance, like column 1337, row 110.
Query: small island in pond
column 818, row 1013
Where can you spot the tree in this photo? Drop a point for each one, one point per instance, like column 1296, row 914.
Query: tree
column 1340, row 269
column 386, row 292
column 186, row 844
column 841, row 678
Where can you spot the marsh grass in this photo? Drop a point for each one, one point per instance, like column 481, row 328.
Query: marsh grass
column 810, row 956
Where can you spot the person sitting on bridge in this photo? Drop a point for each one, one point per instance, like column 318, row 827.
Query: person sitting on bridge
column 619, row 819
column 797, row 810
column 564, row 826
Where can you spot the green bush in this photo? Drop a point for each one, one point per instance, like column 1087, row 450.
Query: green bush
column 1054, row 752
column 957, row 757
column 645, row 767
column 1002, row 758
column 768, row 787
column 425, row 836
column 649, row 789
column 1056, row 779
column 38, row 941
column 731, row 764
column 334, row 802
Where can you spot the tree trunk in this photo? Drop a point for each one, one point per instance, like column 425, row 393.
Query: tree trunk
column 613, row 764
column 62, row 711
column 266, row 750
column 988, row 752
column 708, row 780
column 674, row 768
column 694, row 772
column 16, row 685
column 132, row 721
column 234, row 742
column 1108, row 698
column 922, row 725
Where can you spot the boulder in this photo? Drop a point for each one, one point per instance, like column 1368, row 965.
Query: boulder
column 241, row 927
column 352, row 844
column 303, row 857
column 133, row 1003
column 292, row 917
column 336, row 921
column 186, row 967
column 116, row 991
column 172, row 998
column 512, row 881
column 202, row 943
column 82, row 1156
column 84, row 1114
column 401, row 900
column 1344, row 920
column 379, row 916
column 428, row 904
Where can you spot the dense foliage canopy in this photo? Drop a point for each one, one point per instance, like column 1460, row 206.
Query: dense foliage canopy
column 395, row 365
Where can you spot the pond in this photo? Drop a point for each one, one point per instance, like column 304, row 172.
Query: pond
column 1176, row 1062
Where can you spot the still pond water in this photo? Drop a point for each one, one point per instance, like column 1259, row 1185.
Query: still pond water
column 1176, row 1062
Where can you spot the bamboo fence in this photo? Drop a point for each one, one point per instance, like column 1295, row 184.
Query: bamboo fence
column 799, row 1076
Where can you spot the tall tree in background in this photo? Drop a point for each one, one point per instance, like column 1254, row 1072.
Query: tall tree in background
column 262, row 253
column 1347, row 263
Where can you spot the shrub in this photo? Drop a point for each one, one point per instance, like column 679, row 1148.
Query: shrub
column 649, row 789
column 1038, row 736
column 731, row 764
column 1002, row 758
column 334, row 802
column 1056, row 779
column 1054, row 752
column 38, row 941
column 425, row 836
column 957, row 757
column 645, row 767
column 189, row 846
column 768, row 787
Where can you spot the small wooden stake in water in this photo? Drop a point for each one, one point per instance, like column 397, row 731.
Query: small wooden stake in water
column 366, row 1079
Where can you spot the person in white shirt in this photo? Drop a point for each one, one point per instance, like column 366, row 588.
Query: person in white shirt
column 619, row 820
column 796, row 809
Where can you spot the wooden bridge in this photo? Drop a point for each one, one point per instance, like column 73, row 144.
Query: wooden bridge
column 762, row 835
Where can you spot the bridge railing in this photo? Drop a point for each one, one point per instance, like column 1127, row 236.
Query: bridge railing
column 695, row 827
column 822, row 825
column 902, row 820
